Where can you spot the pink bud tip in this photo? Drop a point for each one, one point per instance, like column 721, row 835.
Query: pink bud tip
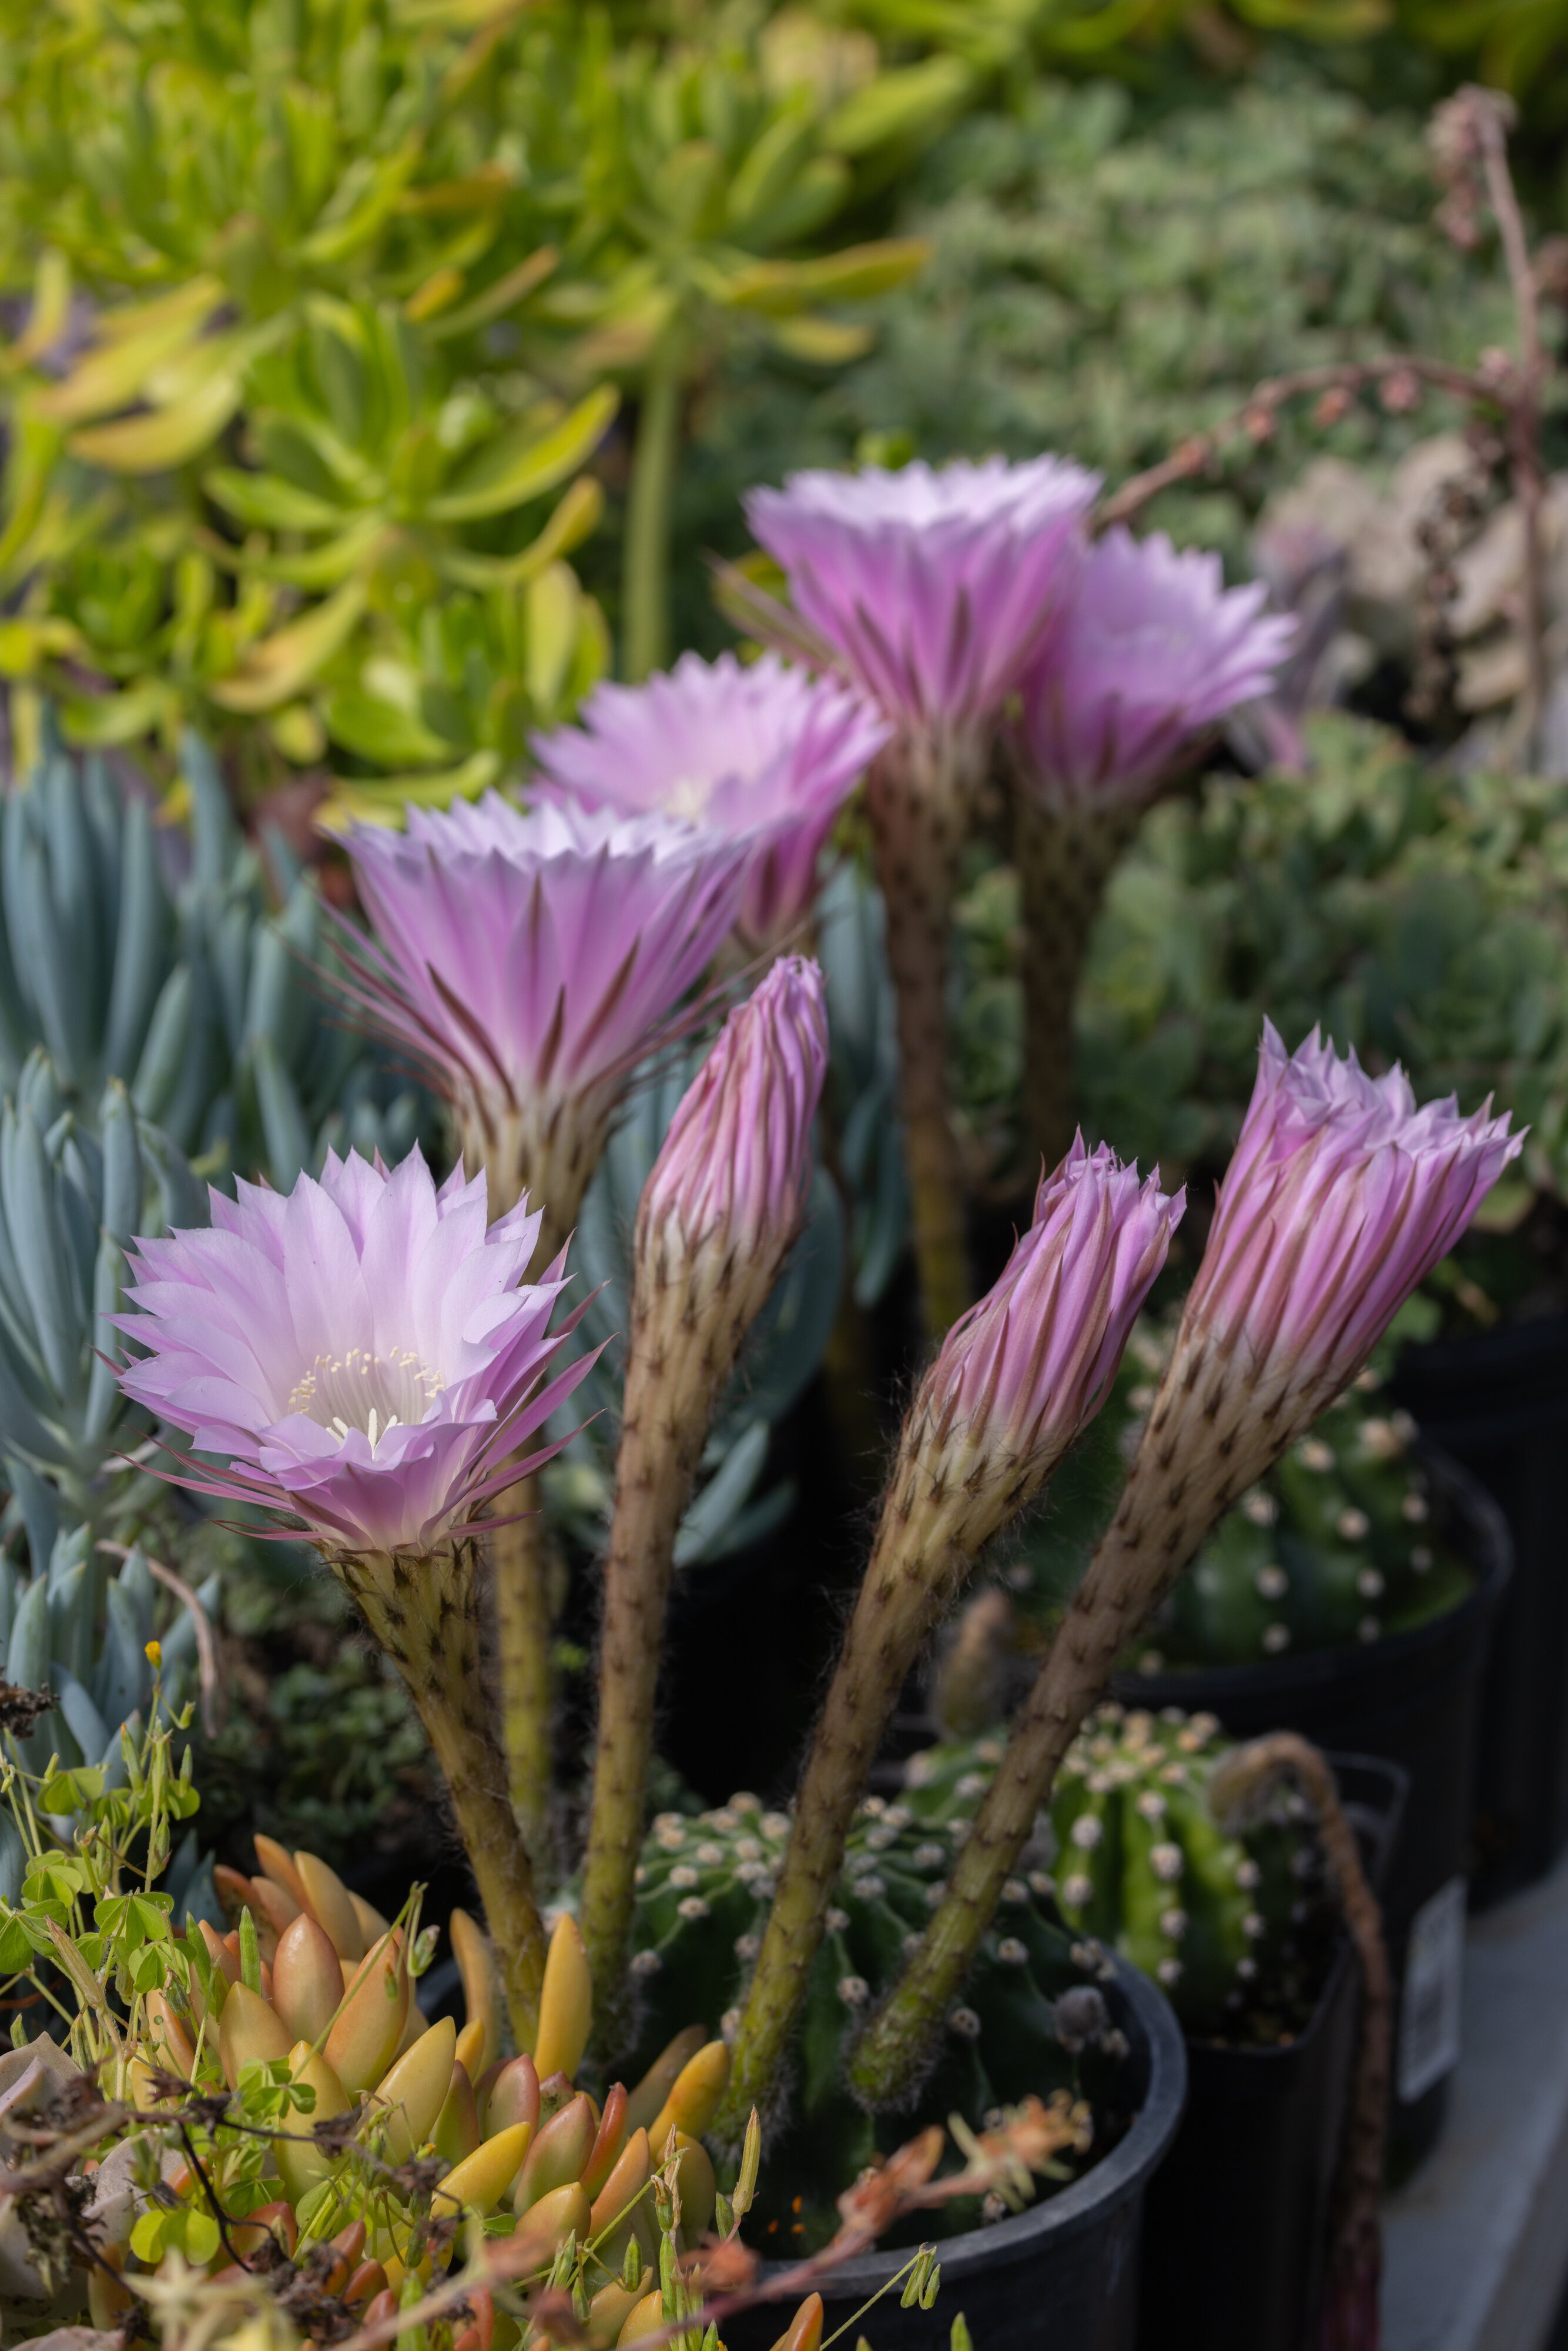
column 1340, row 1198
column 737, row 1159
column 1026, row 1370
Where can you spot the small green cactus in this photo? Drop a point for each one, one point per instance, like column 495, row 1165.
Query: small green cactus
column 1337, row 1547
column 1032, row 2018
column 1235, row 1928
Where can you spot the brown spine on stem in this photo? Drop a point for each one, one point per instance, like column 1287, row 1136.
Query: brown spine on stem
column 916, row 794
column 1064, row 862
column 1209, row 1436
column 426, row 1615
column 552, row 1161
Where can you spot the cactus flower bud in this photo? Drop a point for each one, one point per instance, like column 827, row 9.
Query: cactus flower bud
column 1341, row 1195
column 719, row 1213
column 1014, row 1382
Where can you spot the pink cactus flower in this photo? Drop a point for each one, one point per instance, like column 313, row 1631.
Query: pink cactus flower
column 933, row 587
column 530, row 960
column 763, row 753
column 1341, row 1196
column 1024, row 1371
column 359, row 1351
column 1152, row 652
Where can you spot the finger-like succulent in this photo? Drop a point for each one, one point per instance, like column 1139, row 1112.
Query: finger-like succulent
column 1234, row 1927
column 88, row 1638
column 1032, row 2018
column 187, row 988
column 382, row 2128
column 73, row 1192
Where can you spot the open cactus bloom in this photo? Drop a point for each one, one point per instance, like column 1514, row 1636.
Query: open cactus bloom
column 765, row 753
column 365, row 1357
column 530, row 961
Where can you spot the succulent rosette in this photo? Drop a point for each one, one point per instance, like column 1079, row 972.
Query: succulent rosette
column 934, row 585
column 358, row 1352
column 1153, row 651
column 532, row 959
column 763, row 753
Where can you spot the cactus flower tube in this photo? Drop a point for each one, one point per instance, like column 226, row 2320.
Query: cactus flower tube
column 364, row 1357
column 765, row 752
column 530, row 961
column 1152, row 652
column 1016, row 1381
column 1340, row 1198
column 717, row 1216
column 935, row 589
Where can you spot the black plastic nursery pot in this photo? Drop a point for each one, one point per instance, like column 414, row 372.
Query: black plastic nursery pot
column 1064, row 2273
column 1498, row 1402
column 1237, row 2225
column 1414, row 1699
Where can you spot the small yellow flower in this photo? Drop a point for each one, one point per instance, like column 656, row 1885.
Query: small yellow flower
column 154, row 1654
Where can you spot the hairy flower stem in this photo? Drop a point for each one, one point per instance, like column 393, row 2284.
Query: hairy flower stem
column 1064, row 864
column 554, row 1169
column 690, row 1314
column 424, row 1613
column 917, row 793
column 916, row 1565
column 668, row 1407
column 1207, row 1441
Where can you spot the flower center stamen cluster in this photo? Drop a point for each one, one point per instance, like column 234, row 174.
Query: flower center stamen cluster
column 364, row 1390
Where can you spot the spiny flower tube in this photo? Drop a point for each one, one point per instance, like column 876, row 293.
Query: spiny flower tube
column 364, row 1358
column 718, row 1214
column 1152, row 652
column 1015, row 1382
column 764, row 752
column 532, row 959
column 1340, row 1198
column 935, row 589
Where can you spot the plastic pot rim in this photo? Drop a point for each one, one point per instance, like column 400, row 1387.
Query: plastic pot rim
column 1055, row 2219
